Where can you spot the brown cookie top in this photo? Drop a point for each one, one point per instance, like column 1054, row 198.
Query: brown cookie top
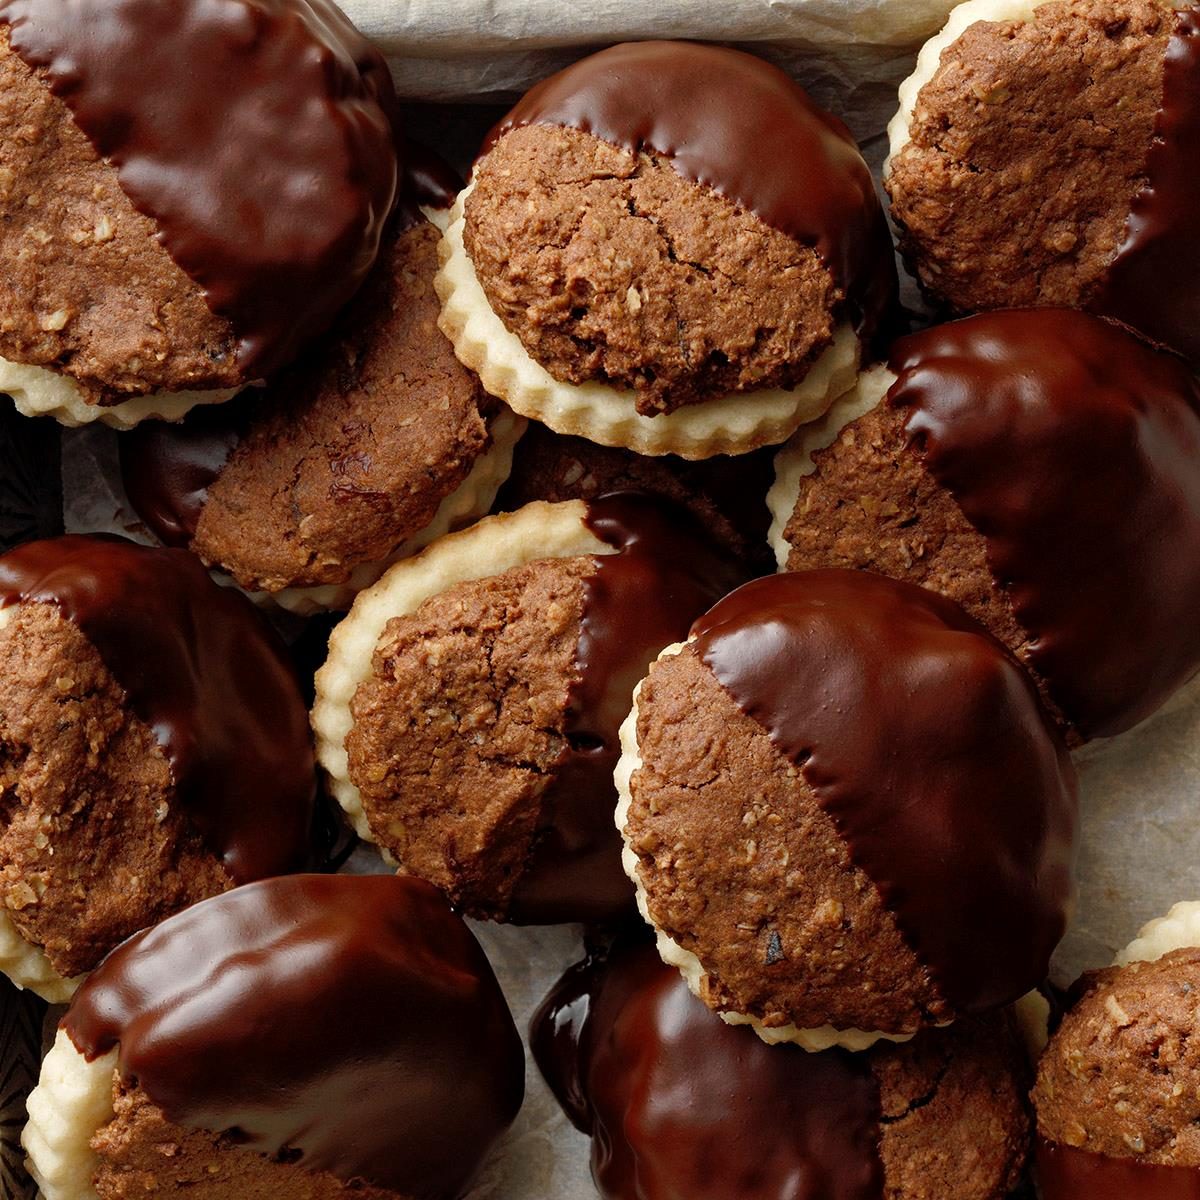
column 267, row 166
column 96, row 844
column 610, row 266
column 417, row 1071
column 726, row 494
column 680, row 1104
column 221, row 698
column 816, row 814
column 340, row 459
column 509, row 691
column 1121, row 1076
column 1036, row 467
column 992, row 174
column 72, row 241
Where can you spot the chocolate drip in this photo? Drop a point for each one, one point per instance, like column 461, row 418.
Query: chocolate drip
column 257, row 134
column 167, row 468
column 1065, row 1173
column 666, row 572
column 1072, row 447
column 347, row 1024
column 206, row 673
column 1153, row 283
column 740, row 126
column 926, row 743
column 681, row 1106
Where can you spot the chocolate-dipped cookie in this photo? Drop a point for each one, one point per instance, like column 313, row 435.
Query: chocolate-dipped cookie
column 728, row 495
column 154, row 746
column 302, row 1038
column 1039, row 467
column 847, row 814
column 680, row 1106
column 1059, row 135
column 189, row 194
column 1118, row 1088
column 375, row 443
column 629, row 265
column 467, row 715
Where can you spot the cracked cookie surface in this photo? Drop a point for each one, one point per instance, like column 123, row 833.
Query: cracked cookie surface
column 613, row 267
column 1027, row 147
column 93, row 847
column 459, row 727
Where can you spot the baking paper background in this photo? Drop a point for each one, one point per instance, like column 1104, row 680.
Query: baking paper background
column 1140, row 840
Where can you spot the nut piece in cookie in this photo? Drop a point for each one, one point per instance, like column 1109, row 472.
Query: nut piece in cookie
column 632, row 265
column 188, row 195
column 682, row 1107
column 1118, row 1088
column 846, row 812
column 153, row 744
column 1062, row 136
column 1039, row 468
column 468, row 714
column 308, row 1037
column 377, row 441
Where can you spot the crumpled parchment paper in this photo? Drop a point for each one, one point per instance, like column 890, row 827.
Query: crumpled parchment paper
column 1141, row 792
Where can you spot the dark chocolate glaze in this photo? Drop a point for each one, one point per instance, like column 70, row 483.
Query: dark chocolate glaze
column 1153, row 283
column 740, row 126
column 257, row 134
column 348, row 1024
column 167, row 468
column 926, row 743
column 681, row 1106
column 1073, row 447
column 666, row 572
column 206, row 673
column 1065, row 1173
column 31, row 492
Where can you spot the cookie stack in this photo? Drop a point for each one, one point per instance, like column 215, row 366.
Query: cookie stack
column 518, row 434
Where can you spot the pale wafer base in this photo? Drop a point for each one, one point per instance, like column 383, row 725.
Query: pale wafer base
column 39, row 392
column 73, row 1099
column 471, row 500
column 961, row 19
column 1178, row 930
column 491, row 547
column 687, row 963
column 733, row 424
column 795, row 459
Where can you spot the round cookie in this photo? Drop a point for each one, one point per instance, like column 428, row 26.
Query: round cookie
column 1039, row 468
column 725, row 494
column 302, row 1038
column 188, row 197
column 154, row 748
column 371, row 446
column 682, row 1107
column 467, row 716
column 1118, row 1089
column 628, row 266
column 845, row 811
column 1061, row 135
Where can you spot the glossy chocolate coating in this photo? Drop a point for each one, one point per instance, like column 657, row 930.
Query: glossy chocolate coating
column 740, row 126
column 666, row 572
column 1153, row 283
column 926, row 743
column 1073, row 447
column 681, row 1106
column 257, row 134
column 206, row 673
column 1065, row 1173
column 349, row 1024
column 167, row 468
